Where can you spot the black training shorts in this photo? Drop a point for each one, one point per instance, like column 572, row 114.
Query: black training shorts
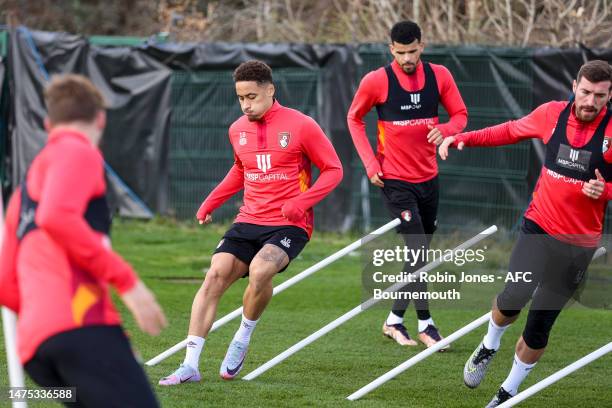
column 99, row 362
column 415, row 204
column 244, row 240
column 557, row 271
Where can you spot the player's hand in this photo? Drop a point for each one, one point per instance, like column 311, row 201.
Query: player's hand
column 204, row 214
column 434, row 136
column 141, row 302
column 443, row 149
column 207, row 219
column 376, row 180
column 595, row 187
column 292, row 212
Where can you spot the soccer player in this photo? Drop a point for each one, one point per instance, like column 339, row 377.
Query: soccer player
column 274, row 148
column 406, row 94
column 563, row 223
column 57, row 263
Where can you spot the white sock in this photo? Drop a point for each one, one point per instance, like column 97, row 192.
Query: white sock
column 493, row 337
column 393, row 319
column 195, row 344
column 424, row 323
column 243, row 334
column 517, row 375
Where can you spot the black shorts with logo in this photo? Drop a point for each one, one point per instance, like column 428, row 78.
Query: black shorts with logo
column 244, row 240
column 416, row 204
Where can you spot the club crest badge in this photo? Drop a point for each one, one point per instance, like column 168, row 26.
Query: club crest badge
column 283, row 139
column 406, row 215
column 606, row 144
column 243, row 139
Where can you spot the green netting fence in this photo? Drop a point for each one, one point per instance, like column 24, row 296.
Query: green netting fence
column 478, row 186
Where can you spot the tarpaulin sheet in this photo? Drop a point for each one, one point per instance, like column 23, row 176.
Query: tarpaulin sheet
column 137, row 90
column 173, row 166
column 3, row 128
column 555, row 69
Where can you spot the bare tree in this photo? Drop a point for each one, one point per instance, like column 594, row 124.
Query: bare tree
column 558, row 23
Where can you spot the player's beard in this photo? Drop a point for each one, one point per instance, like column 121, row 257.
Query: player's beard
column 251, row 117
column 586, row 113
column 410, row 68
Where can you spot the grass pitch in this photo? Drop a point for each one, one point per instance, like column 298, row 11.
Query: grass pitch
column 172, row 259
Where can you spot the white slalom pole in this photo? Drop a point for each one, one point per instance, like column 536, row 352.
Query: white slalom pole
column 354, row 312
column 9, row 327
column 419, row 357
column 557, row 376
column 431, row 350
column 289, row 282
column 15, row 370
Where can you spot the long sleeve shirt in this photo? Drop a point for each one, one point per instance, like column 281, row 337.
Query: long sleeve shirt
column 558, row 204
column 403, row 152
column 57, row 276
column 272, row 162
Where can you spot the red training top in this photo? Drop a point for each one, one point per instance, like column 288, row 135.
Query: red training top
column 272, row 162
column 403, row 152
column 56, row 277
column 558, row 204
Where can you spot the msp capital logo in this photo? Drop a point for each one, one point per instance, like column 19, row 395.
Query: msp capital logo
column 573, row 159
column 606, row 144
column 263, row 162
column 243, row 139
column 283, row 139
column 574, row 154
column 415, row 102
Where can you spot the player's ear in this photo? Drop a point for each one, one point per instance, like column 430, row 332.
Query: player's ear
column 574, row 86
column 270, row 90
column 48, row 124
column 101, row 120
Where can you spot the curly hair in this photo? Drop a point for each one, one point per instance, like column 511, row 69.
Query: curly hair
column 253, row 70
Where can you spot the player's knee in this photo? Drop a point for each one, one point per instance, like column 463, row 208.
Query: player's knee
column 538, row 326
column 260, row 277
column 536, row 338
column 215, row 279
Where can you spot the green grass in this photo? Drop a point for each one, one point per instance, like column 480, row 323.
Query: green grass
column 171, row 259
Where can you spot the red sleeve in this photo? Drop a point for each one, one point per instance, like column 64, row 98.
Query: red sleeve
column 70, row 182
column 451, row 100
column 608, row 159
column 533, row 125
column 9, row 289
column 322, row 154
column 372, row 91
column 231, row 184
